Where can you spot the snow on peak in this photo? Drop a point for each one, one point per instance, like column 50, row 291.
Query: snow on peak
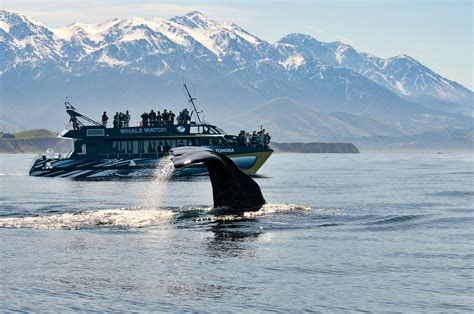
column 195, row 13
column 4, row 26
column 340, row 52
column 196, row 19
column 107, row 60
column 296, row 38
column 293, row 61
column 195, row 32
column 403, row 57
column 401, row 89
column 22, row 27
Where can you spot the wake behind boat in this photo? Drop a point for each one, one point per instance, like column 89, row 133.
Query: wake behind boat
column 122, row 150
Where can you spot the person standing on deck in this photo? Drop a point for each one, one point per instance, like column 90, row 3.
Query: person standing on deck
column 152, row 117
column 165, row 117
column 116, row 120
column 121, row 115
column 104, row 119
column 126, row 119
column 171, row 116
column 144, row 119
column 159, row 120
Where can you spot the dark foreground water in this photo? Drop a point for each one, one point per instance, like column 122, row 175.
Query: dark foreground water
column 368, row 232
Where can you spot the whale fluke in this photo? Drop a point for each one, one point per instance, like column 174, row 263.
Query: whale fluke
column 230, row 186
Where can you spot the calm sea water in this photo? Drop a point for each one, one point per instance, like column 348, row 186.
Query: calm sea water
column 366, row 232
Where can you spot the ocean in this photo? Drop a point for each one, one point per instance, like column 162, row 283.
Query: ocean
column 340, row 233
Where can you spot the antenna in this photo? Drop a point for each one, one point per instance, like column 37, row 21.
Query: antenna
column 68, row 104
column 191, row 100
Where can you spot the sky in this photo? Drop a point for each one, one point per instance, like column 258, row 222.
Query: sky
column 437, row 33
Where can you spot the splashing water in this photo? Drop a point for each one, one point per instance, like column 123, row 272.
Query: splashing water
column 266, row 209
column 120, row 217
column 136, row 217
column 158, row 183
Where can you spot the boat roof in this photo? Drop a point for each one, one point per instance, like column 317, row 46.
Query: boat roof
column 175, row 130
column 86, row 127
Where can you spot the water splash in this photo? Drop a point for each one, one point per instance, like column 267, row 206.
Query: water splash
column 266, row 209
column 158, row 183
column 113, row 218
column 136, row 217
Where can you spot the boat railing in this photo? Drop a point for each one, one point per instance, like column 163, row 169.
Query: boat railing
column 36, row 158
column 49, row 157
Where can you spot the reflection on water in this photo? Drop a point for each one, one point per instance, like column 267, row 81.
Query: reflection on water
column 231, row 238
column 374, row 232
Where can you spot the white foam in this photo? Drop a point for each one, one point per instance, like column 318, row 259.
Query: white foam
column 275, row 208
column 265, row 210
column 121, row 217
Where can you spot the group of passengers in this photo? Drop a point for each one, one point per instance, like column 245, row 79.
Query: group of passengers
column 157, row 118
column 121, row 120
column 152, row 118
column 255, row 138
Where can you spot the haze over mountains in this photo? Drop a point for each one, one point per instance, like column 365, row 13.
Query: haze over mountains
column 299, row 88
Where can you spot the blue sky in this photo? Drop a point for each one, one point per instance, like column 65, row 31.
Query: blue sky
column 437, row 33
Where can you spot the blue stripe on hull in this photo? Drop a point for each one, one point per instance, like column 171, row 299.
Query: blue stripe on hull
column 102, row 168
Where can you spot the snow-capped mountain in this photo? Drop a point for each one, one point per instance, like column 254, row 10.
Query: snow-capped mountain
column 142, row 62
column 403, row 74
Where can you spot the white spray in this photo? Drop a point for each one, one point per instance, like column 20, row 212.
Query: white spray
column 158, row 183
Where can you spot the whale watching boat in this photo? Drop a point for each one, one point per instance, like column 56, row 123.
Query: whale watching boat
column 134, row 151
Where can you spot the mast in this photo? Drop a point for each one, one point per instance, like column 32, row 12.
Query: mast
column 191, row 100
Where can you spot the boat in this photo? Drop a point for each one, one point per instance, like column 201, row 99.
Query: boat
column 135, row 151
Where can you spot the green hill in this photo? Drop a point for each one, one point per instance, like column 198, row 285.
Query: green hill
column 33, row 141
column 30, row 134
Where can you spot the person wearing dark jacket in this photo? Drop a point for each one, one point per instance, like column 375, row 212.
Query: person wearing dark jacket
column 171, row 116
column 126, row 119
column 121, row 115
column 104, row 119
column 159, row 120
column 75, row 124
column 164, row 115
column 152, row 117
column 144, row 117
column 116, row 120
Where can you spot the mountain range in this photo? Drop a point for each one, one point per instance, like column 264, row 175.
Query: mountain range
column 298, row 87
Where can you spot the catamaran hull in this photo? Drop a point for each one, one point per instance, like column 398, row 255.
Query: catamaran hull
column 133, row 167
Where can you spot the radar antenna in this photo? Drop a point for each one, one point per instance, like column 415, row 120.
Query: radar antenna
column 191, row 100
column 68, row 104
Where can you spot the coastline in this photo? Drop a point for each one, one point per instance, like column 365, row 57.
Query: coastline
column 40, row 144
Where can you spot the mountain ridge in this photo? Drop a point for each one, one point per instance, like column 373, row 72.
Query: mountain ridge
column 136, row 62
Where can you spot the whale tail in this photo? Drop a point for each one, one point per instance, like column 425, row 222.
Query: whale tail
column 231, row 187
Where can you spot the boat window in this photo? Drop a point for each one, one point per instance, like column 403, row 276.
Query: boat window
column 115, row 147
column 195, row 129
column 135, row 147
column 129, row 147
column 95, row 132
column 150, row 146
column 146, row 146
column 82, row 150
column 212, row 129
